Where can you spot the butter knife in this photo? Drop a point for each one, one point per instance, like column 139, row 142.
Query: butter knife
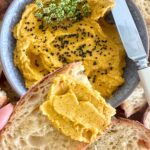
column 132, row 43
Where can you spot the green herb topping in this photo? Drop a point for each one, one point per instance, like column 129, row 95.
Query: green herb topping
column 54, row 11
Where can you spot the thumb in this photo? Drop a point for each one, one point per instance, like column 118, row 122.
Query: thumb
column 5, row 113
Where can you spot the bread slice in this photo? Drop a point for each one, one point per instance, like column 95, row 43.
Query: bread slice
column 124, row 134
column 144, row 6
column 146, row 10
column 135, row 102
column 28, row 129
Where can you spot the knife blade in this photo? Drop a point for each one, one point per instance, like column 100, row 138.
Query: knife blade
column 129, row 34
column 132, row 43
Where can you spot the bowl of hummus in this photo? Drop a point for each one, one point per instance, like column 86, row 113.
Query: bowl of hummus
column 39, row 37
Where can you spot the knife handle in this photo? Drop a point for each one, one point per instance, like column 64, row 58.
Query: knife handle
column 144, row 75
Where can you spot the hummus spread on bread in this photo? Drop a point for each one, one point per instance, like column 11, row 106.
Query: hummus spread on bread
column 41, row 49
column 76, row 110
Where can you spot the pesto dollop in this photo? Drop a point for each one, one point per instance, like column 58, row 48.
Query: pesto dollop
column 56, row 11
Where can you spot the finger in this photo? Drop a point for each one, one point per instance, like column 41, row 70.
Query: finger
column 5, row 113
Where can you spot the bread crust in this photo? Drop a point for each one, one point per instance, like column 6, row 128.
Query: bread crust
column 136, row 124
column 129, row 122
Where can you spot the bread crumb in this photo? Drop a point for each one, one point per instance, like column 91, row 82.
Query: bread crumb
column 2, row 93
column 95, row 147
column 3, row 98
